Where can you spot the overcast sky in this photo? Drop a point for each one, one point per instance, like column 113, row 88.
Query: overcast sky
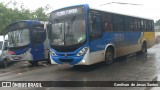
column 145, row 8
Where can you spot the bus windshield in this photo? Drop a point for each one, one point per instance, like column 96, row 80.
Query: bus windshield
column 19, row 37
column 67, row 32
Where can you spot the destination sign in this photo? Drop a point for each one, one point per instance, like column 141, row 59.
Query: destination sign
column 66, row 12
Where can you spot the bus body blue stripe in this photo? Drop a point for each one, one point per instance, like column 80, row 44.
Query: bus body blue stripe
column 21, row 51
column 38, row 52
column 118, row 39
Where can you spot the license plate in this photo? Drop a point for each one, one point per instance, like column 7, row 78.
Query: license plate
column 65, row 63
column 16, row 57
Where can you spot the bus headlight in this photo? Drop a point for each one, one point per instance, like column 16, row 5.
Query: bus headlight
column 52, row 53
column 82, row 52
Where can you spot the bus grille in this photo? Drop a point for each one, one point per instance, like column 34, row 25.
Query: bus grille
column 65, row 49
column 66, row 60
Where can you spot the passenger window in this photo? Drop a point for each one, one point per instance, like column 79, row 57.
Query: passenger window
column 96, row 26
column 107, row 22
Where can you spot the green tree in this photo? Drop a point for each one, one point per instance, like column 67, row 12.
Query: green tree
column 39, row 14
column 9, row 15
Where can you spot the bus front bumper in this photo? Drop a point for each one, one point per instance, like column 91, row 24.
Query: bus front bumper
column 21, row 57
column 72, row 60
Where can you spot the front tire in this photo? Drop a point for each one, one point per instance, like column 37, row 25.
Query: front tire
column 48, row 60
column 4, row 63
column 109, row 56
column 33, row 63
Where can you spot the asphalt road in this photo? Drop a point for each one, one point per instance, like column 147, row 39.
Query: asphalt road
column 145, row 67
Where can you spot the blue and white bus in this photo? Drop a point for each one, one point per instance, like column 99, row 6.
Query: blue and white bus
column 27, row 40
column 84, row 35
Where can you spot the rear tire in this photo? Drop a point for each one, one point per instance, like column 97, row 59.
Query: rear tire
column 109, row 56
column 144, row 48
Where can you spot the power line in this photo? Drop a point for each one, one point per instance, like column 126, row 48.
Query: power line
column 120, row 3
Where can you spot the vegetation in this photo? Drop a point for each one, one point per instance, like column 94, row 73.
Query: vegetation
column 157, row 23
column 9, row 15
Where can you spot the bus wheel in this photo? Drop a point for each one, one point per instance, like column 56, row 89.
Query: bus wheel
column 5, row 63
column 33, row 63
column 48, row 60
column 144, row 48
column 109, row 56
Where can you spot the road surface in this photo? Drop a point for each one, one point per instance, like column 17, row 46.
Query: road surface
column 145, row 67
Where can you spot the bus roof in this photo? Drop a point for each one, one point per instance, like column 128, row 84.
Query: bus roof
column 29, row 21
column 100, row 8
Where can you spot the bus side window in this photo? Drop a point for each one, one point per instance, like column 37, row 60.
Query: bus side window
column 107, row 22
column 96, row 26
column 38, row 34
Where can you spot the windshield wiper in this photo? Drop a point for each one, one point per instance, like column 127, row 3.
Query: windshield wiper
column 15, row 37
column 12, row 38
column 59, row 27
column 71, row 23
column 68, row 28
column 19, row 36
